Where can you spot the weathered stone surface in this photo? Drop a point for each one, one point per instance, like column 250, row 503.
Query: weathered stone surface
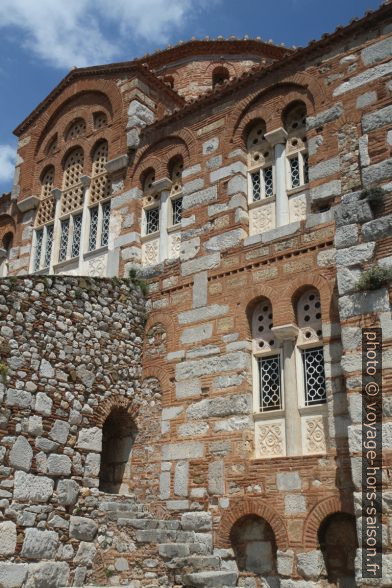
column 186, row 450
column 363, row 303
column 326, row 191
column 202, row 314
column 48, row 575
column 288, row 481
column 225, row 241
column 46, row 370
column 326, row 168
column 294, row 503
column 198, row 198
column 39, row 544
column 216, row 477
column 377, row 52
column 18, row 398
column 59, row 432
column 366, row 99
column 346, row 236
column 222, row 406
column 12, row 575
column 348, row 280
column 85, row 554
column 312, row 122
column 363, row 78
column 43, row 404
column 59, row 465
column 21, row 454
column 311, row 564
column 7, row 538
column 377, row 172
column 200, row 264
column 285, row 562
column 193, row 429
column 188, row 388
column 32, row 488
column 90, row 439
column 203, row 367
column 189, row 248
column 227, row 171
column 210, row 146
column 377, row 119
column 211, row 579
column 196, row 521
column 181, row 475
column 82, row 528
column 92, row 465
column 353, row 212
column 196, row 334
column 378, row 228
column 355, row 255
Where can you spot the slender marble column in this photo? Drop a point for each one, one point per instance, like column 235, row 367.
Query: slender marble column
column 277, row 140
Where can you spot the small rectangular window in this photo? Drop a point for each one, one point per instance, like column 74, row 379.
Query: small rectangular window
column 105, row 224
column 314, row 376
column 77, row 234
column 152, row 220
column 177, row 211
column 48, row 245
column 294, row 171
column 256, row 186
column 92, row 239
column 64, row 239
column 270, row 383
column 268, row 181
column 39, row 237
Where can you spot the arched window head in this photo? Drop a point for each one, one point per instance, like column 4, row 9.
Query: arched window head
column 219, row 76
column 51, row 146
column 309, row 315
column 47, row 180
column 148, row 180
column 260, row 163
column 296, row 148
column 254, row 545
column 176, row 167
column 76, row 129
column 118, row 436
column 73, row 168
column 100, row 157
column 100, row 120
column 7, row 242
column 262, row 323
column 338, row 542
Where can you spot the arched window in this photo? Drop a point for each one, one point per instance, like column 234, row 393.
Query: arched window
column 338, row 542
column 219, row 76
column 100, row 120
column 6, row 246
column 296, row 147
column 71, row 216
column 118, row 436
column 76, row 129
column 73, row 168
column 254, row 545
column 51, row 146
column 43, row 236
column 151, row 204
column 99, row 205
column 47, row 183
column 176, row 167
column 310, row 348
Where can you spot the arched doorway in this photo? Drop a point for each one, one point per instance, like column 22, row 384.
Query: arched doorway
column 254, row 545
column 118, row 435
column 338, row 542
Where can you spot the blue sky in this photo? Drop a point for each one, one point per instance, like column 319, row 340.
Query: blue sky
column 43, row 39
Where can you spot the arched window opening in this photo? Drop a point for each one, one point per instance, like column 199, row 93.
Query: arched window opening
column 219, row 76
column 99, row 205
column 118, row 436
column 100, row 120
column 47, row 182
column 310, row 347
column 76, row 129
column 176, row 167
column 52, row 146
column 260, row 164
column 100, row 157
column 73, row 168
column 338, row 542
column 254, row 545
column 6, row 246
column 294, row 120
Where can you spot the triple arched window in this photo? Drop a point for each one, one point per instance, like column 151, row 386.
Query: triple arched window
column 289, row 379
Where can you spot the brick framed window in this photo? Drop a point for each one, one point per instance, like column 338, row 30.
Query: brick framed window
column 42, row 247
column 297, row 168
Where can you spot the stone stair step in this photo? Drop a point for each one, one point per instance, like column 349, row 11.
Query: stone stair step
column 173, row 550
column 145, row 523
column 196, row 563
column 210, row 579
column 164, row 536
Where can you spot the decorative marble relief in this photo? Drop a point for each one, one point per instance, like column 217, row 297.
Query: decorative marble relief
column 297, row 205
column 97, row 266
column 270, row 439
column 262, row 218
column 174, row 245
column 150, row 252
column 313, row 435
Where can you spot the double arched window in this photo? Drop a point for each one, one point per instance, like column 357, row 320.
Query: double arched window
column 99, row 209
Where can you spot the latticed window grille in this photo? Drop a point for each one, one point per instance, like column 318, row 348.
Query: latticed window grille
column 177, row 211
column 152, row 220
column 100, row 188
column 105, row 224
column 73, row 168
column 309, row 313
column 100, row 120
column 305, row 157
column 270, row 383
column 314, row 376
column 72, row 199
column 64, row 239
column 48, row 245
column 92, row 240
column 268, row 181
column 295, row 172
column 100, row 158
column 77, row 234
column 77, row 129
column 39, row 237
column 256, row 186
column 45, row 211
column 47, row 183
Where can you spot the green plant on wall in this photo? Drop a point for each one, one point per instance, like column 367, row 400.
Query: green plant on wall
column 3, row 372
column 374, row 278
column 136, row 281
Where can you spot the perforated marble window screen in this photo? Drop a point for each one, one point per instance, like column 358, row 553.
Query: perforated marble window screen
column 176, row 177
column 73, row 168
column 46, row 210
column 52, row 146
column 100, row 120
column 262, row 323
column 100, row 158
column 296, row 118
column 47, row 183
column 77, row 129
column 309, row 314
column 72, row 199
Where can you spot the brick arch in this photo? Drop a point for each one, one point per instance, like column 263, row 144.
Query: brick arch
column 7, row 225
column 114, row 402
column 159, row 373
column 162, row 151
column 219, row 64
column 268, row 104
column 251, row 506
column 317, row 515
column 248, row 298
column 164, row 319
column 285, row 307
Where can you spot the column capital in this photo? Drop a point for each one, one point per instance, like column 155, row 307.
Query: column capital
column 28, row 203
column 276, row 136
column 161, row 185
column 287, row 332
column 118, row 163
column 56, row 193
column 85, row 181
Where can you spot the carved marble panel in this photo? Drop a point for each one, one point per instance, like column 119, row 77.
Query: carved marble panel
column 174, row 245
column 96, row 266
column 313, row 435
column 262, row 218
column 297, row 207
column 150, row 252
column 270, row 438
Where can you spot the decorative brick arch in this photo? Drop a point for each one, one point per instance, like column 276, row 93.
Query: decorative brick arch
column 249, row 297
column 7, row 225
column 114, row 402
column 251, row 506
column 159, row 374
column 285, row 307
column 162, row 151
column 317, row 515
column 163, row 318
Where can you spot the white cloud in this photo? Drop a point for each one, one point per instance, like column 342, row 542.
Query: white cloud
column 7, row 163
column 75, row 32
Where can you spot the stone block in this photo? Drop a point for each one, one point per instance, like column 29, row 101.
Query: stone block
column 287, row 481
column 312, row 122
column 188, row 388
column 325, row 168
column 30, row 488
column 366, row 99
column 216, row 477
column 280, row 232
column 213, row 365
column 18, row 398
column 377, row 229
column 227, row 171
column 200, row 290
column 325, row 192
column 48, row 575
column 43, row 404
column 377, row 119
column 189, row 248
column 186, row 450
column 366, row 77
column 222, row 579
column 202, row 314
column 198, row 197
column 164, row 485
column 311, row 564
column 346, row 236
column 225, row 240
column 7, row 538
column 85, row 554
column 196, row 521
column 351, row 213
column 90, row 439
column 46, row 370
column 236, row 423
column 35, row 425
column 377, row 52
column 92, row 465
column 21, row 454
column 171, row 413
column 193, row 429
column 294, row 504
column 200, row 264
column 210, row 146
column 348, row 280
column 355, row 255
column 191, row 171
column 39, row 544
column 363, row 303
column 196, row 334
column 285, row 562
column 12, row 575
column 83, row 528
column 181, row 476
column 60, row 431
column 377, row 172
